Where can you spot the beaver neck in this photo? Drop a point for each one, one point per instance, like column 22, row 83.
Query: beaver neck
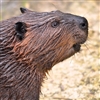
column 20, row 81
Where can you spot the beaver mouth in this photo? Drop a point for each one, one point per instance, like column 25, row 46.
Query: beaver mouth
column 77, row 47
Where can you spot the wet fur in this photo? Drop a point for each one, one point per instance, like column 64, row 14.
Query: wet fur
column 24, row 64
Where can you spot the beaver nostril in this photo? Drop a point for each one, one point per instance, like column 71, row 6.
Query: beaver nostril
column 83, row 24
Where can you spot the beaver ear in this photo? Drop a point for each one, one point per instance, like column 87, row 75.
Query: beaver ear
column 24, row 10
column 20, row 28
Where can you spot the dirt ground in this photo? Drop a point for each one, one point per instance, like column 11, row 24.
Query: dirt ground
column 77, row 78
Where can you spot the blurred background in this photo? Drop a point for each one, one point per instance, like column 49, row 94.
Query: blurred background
column 77, row 78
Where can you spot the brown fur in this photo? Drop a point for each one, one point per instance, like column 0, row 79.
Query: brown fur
column 23, row 64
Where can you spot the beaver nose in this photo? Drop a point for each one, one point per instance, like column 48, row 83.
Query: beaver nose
column 83, row 23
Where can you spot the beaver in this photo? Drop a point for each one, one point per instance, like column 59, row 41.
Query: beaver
column 31, row 44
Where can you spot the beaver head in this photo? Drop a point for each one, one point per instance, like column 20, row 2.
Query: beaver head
column 50, row 37
column 31, row 44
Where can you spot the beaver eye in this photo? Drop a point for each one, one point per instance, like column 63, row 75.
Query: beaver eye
column 54, row 24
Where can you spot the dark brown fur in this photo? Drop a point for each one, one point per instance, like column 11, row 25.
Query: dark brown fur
column 23, row 64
